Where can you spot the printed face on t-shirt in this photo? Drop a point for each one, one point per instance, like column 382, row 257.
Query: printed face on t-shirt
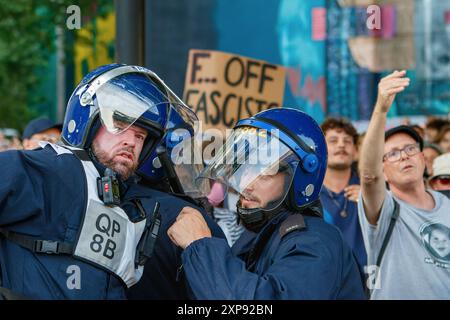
column 440, row 242
column 436, row 240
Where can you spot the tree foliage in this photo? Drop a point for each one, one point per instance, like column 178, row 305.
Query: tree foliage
column 27, row 39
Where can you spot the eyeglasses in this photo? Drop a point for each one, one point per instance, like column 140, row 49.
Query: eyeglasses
column 396, row 155
column 445, row 180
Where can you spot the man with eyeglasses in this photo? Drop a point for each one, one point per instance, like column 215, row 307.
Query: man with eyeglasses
column 408, row 269
column 40, row 129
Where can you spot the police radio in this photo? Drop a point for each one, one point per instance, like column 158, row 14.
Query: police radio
column 146, row 244
column 108, row 188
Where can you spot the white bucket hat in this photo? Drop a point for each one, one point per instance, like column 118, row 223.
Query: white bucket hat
column 441, row 166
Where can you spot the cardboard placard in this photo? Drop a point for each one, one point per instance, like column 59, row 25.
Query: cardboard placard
column 223, row 88
column 378, row 55
column 394, row 46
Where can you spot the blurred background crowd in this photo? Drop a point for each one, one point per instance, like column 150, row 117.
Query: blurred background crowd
column 333, row 54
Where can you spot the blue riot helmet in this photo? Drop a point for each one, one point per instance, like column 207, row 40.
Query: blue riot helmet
column 184, row 152
column 118, row 96
column 281, row 145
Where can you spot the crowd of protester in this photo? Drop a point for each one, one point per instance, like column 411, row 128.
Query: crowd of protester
column 341, row 135
column 341, row 192
column 341, row 189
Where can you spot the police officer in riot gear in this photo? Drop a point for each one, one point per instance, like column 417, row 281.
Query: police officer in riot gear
column 163, row 277
column 74, row 223
column 276, row 161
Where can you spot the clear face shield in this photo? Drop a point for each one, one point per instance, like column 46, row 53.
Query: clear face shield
column 185, row 151
column 255, row 164
column 121, row 105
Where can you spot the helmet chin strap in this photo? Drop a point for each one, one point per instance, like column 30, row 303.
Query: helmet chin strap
column 255, row 218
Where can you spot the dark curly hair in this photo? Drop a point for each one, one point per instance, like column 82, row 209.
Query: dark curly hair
column 340, row 124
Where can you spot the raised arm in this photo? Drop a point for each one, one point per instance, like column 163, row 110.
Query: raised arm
column 371, row 163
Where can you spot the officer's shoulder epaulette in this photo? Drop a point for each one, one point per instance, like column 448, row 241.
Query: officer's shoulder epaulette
column 292, row 223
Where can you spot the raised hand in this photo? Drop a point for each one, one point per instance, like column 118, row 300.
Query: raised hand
column 388, row 88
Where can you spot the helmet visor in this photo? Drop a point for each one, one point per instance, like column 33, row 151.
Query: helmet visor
column 256, row 164
column 121, row 102
column 185, row 154
column 189, row 119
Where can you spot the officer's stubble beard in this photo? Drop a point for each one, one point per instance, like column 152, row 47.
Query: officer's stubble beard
column 123, row 168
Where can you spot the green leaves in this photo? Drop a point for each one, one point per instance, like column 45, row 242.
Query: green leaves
column 27, row 40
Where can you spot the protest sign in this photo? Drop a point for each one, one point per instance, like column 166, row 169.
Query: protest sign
column 223, row 88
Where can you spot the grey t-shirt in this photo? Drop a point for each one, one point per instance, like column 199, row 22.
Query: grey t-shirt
column 416, row 263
